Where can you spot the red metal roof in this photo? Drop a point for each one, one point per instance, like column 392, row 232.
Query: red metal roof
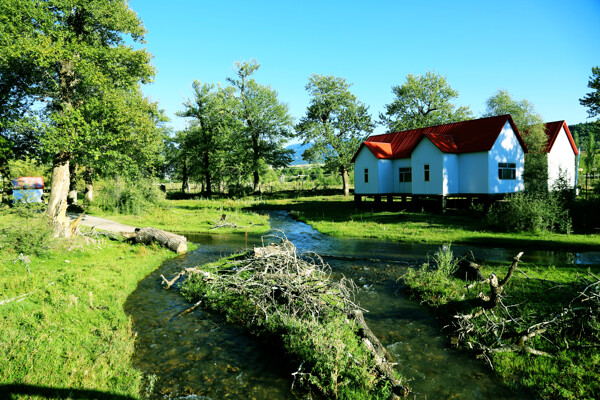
column 553, row 129
column 380, row 150
column 459, row 137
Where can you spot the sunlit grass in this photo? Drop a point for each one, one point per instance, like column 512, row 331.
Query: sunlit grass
column 68, row 330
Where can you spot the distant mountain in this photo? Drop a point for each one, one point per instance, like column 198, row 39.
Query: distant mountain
column 298, row 151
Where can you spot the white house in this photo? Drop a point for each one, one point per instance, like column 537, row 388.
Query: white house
column 477, row 157
column 562, row 153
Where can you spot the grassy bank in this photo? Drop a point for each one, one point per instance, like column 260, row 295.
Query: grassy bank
column 542, row 337
column 63, row 330
column 196, row 216
column 338, row 216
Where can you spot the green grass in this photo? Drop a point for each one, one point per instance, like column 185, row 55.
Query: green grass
column 196, row 216
column 537, row 294
column 338, row 216
column 69, row 331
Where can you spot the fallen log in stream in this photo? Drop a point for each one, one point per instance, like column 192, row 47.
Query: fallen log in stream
column 173, row 242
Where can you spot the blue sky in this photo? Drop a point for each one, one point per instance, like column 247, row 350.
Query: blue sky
column 542, row 51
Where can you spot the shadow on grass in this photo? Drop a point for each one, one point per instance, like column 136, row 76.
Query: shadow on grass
column 17, row 391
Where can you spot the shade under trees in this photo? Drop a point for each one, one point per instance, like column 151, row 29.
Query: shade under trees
column 335, row 122
column 63, row 54
column 423, row 100
column 531, row 126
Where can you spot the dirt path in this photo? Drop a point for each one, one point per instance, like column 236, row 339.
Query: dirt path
column 101, row 223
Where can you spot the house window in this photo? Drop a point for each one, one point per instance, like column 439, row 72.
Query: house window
column 507, row 171
column 405, row 174
column 426, row 172
column 366, row 175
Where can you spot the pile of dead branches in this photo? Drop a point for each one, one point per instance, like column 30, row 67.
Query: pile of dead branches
column 274, row 290
column 497, row 326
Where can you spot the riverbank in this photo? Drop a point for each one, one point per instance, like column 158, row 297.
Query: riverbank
column 63, row 329
column 338, row 216
column 542, row 336
column 198, row 216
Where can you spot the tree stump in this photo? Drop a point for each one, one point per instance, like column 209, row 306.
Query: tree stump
column 173, row 242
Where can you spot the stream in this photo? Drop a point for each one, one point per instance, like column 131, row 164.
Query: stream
column 200, row 356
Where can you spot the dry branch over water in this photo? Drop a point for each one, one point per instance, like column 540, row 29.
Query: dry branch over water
column 280, row 294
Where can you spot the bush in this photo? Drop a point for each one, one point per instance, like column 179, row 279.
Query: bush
column 122, row 197
column 525, row 212
column 29, row 237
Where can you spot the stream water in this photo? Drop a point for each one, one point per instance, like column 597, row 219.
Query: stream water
column 200, row 356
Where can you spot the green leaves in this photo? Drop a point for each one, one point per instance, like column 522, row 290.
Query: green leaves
column 336, row 122
column 592, row 100
column 423, row 101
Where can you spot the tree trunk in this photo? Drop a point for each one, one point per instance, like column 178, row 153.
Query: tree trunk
column 60, row 184
column 346, row 186
column 185, row 179
column 5, row 185
column 207, row 176
column 88, row 177
column 57, row 204
column 72, row 197
column 256, row 182
column 174, row 242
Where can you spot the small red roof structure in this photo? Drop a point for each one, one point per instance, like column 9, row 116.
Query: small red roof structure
column 458, row 137
column 553, row 129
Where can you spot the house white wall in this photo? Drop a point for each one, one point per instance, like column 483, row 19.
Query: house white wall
column 426, row 153
column 404, row 187
column 385, row 176
column 450, row 174
column 506, row 149
column 561, row 158
column 473, row 173
column 366, row 159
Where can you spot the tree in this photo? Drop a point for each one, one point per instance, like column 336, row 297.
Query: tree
column 531, row 126
column 68, row 52
column 592, row 99
column 265, row 124
column 212, row 114
column 423, row 101
column 336, row 122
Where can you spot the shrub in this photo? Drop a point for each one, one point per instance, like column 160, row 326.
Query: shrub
column 29, row 237
column 524, row 212
column 123, row 197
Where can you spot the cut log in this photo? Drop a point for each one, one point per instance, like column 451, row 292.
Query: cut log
column 384, row 360
column 173, row 242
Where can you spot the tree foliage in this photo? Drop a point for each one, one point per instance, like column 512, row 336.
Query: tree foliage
column 336, row 122
column 265, row 123
column 62, row 56
column 531, row 126
column 592, row 100
column 423, row 100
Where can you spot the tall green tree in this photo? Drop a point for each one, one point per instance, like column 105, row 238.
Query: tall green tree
column 335, row 122
column 69, row 51
column 423, row 100
column 212, row 111
column 265, row 124
column 592, row 100
column 531, row 126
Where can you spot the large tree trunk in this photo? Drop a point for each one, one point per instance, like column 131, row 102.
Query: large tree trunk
column 207, row 175
column 344, row 173
column 255, row 163
column 72, row 196
column 57, row 204
column 88, row 178
column 174, row 242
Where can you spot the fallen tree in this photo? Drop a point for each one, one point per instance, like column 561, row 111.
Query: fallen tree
column 173, row 242
column 281, row 295
column 539, row 328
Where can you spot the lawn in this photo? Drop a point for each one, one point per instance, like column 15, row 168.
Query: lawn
column 63, row 330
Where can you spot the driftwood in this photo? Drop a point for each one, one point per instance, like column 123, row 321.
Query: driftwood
column 384, row 360
column 173, row 242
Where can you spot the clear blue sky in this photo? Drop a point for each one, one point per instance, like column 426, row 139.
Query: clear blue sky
column 541, row 50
